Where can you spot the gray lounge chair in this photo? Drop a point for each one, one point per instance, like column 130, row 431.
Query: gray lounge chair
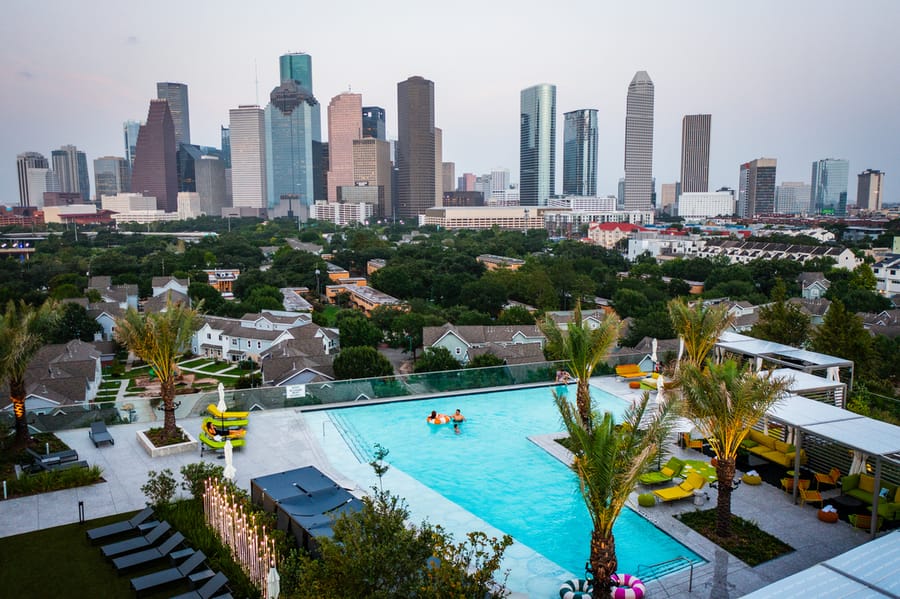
column 164, row 577
column 212, row 586
column 148, row 556
column 134, row 523
column 58, row 460
column 128, row 545
column 99, row 434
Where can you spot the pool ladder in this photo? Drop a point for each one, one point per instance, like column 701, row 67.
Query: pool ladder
column 655, row 570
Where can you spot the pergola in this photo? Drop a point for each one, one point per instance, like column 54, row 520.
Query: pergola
column 867, row 437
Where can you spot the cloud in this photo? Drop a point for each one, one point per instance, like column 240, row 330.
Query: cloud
column 131, row 40
column 24, row 74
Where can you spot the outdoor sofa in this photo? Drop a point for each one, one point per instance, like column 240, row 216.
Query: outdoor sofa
column 771, row 449
column 862, row 487
column 631, row 371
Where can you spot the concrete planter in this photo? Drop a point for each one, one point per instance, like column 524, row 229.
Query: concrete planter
column 158, row 452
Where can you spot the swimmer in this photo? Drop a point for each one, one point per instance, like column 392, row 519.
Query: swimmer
column 458, row 417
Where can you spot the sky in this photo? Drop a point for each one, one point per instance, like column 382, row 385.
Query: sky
column 797, row 81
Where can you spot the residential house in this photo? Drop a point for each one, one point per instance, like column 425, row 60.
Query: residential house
column 814, row 308
column 589, row 318
column 163, row 284
column 159, row 303
column 886, row 322
column 609, row 235
column 246, row 338
column 300, row 360
column 742, row 252
column 222, row 280
column 105, row 314
column 360, row 295
column 459, row 340
column 887, row 275
column 744, row 316
column 813, row 285
column 126, row 296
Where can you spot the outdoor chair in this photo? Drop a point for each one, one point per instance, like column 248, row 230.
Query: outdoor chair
column 99, row 434
column 808, row 495
column 693, row 482
column 690, row 443
column 169, row 576
column 148, row 556
column 665, row 474
column 212, row 586
column 833, row 478
column 787, row 484
column 58, row 460
column 864, row 521
column 137, row 543
column 134, row 523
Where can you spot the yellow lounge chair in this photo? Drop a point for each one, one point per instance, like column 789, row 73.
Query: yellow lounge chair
column 214, row 410
column 693, row 482
column 630, row 371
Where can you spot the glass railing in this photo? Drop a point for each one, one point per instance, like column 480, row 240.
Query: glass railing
column 146, row 409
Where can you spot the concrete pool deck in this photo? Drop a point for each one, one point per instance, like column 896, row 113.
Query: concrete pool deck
column 280, row 440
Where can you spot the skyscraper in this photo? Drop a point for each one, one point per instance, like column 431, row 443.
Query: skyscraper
column 344, row 126
column 829, row 186
column 448, row 176
column 438, row 166
column 25, row 162
column 289, row 150
column 580, row 152
column 247, row 125
column 177, row 96
column 373, row 122
column 130, row 129
column 695, row 129
column 792, row 197
column 70, row 166
column 416, row 146
column 225, row 136
column 756, row 191
column 639, row 143
column 537, row 145
column 112, row 175
column 372, row 168
column 297, row 67
column 868, row 191
column 155, row 170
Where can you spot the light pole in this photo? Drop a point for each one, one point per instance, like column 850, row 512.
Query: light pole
column 318, row 295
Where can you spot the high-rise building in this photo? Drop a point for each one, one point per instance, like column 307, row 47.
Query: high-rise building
column 869, row 190
column 639, row 143
column 620, row 192
column 438, row 166
column 24, row 162
column 297, row 67
column 70, row 166
column 756, row 191
column 225, row 136
column 130, row 129
column 695, row 130
column 792, row 197
column 155, row 170
column 499, row 181
column 707, row 204
column 466, row 182
column 372, row 168
column 177, row 96
column 289, row 151
column 537, row 144
column 373, row 122
column 417, row 177
column 829, row 186
column 580, row 140
column 668, row 197
column 448, row 176
column 112, row 175
column 247, row 126
column 344, row 126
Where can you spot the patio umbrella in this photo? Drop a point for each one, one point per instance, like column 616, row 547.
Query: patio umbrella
column 222, row 407
column 660, row 390
column 273, row 584
column 653, row 345
column 680, row 347
column 858, row 466
column 229, row 471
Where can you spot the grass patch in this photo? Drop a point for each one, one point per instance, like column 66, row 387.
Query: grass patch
column 213, row 368
column 194, row 362
column 109, row 385
column 747, row 542
column 10, row 457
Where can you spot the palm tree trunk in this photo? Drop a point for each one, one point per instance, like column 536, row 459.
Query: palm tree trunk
column 725, row 474
column 17, row 397
column 603, row 562
column 167, row 391
column 583, row 401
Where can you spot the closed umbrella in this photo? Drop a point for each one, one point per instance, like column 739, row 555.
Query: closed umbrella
column 680, row 347
column 229, row 471
column 654, row 345
column 222, row 407
column 273, row 584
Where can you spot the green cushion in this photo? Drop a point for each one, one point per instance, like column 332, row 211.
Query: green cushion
column 646, row 500
column 748, row 443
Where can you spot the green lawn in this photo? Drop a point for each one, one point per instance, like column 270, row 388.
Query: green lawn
column 114, row 385
column 194, row 362
column 213, row 368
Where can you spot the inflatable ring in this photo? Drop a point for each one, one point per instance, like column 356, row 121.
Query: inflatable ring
column 628, row 587
column 439, row 419
column 576, row 589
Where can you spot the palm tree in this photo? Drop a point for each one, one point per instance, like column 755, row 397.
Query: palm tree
column 20, row 339
column 608, row 459
column 699, row 326
column 158, row 338
column 724, row 401
column 584, row 348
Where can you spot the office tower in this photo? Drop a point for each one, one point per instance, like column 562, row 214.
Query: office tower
column 70, row 166
column 537, row 145
column 580, row 152
column 177, row 96
column 188, row 158
column 321, row 160
column 668, row 197
column 639, row 143
column 289, row 150
column 695, row 130
column 448, row 176
column 416, row 147
column 225, row 136
column 373, row 122
column 620, row 192
column 24, row 162
column 371, row 174
column 484, row 185
column 868, row 192
column 706, row 204
column 155, row 170
column 829, row 186
column 344, row 126
column 466, row 182
column 499, row 180
column 792, row 198
column 756, row 192
column 130, row 130
column 112, row 175
column 438, row 168
column 297, row 67
column 247, row 127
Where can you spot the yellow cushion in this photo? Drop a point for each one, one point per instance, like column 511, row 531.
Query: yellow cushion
column 866, row 483
column 667, row 471
column 685, row 486
column 897, row 496
column 782, row 446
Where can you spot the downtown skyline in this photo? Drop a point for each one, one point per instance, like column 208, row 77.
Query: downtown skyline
column 799, row 110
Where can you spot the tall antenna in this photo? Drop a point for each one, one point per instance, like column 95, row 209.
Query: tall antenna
column 256, row 80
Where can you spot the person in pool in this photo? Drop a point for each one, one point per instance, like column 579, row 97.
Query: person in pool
column 458, row 417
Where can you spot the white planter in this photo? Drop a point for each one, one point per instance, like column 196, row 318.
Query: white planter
column 157, row 452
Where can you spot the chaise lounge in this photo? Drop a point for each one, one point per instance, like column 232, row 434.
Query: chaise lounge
column 137, row 543
column 670, row 470
column 134, row 523
column 99, row 434
column 169, row 576
column 148, row 556
column 693, row 482
column 631, row 371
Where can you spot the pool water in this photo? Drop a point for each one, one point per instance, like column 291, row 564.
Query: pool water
column 492, row 470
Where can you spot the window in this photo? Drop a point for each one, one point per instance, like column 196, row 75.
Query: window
column 220, row 337
column 458, row 350
column 208, row 336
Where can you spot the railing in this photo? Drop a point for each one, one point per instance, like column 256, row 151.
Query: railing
column 654, row 569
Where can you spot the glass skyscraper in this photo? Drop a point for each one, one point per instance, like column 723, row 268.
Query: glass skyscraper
column 226, row 146
column 131, row 130
column 695, row 130
column 373, row 120
column 829, row 186
column 580, row 153
column 289, row 150
column 297, row 67
column 639, row 143
column 112, row 174
column 537, row 145
column 177, row 96
column 417, row 176
column 70, row 166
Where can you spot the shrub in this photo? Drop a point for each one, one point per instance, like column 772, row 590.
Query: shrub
column 195, row 476
column 44, row 482
column 160, row 487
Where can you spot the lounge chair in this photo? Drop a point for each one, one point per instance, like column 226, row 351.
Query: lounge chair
column 631, row 371
column 128, row 545
column 99, row 434
column 54, row 461
column 690, row 443
column 833, row 478
column 663, row 475
column 693, row 482
column 132, row 524
column 230, row 418
column 169, row 576
column 212, row 586
column 148, row 556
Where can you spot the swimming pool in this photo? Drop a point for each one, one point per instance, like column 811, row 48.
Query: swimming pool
column 492, row 470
